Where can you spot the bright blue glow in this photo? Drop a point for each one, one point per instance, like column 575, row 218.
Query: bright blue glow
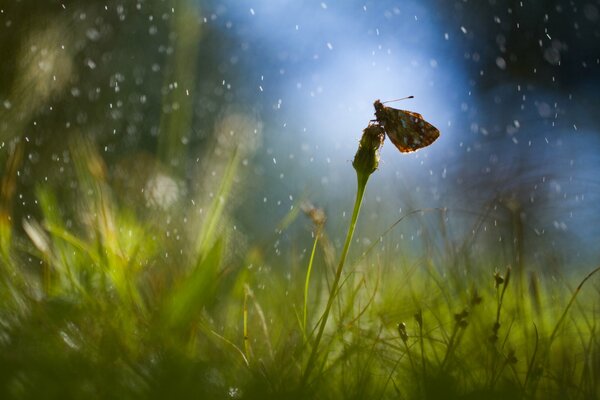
column 325, row 63
column 317, row 67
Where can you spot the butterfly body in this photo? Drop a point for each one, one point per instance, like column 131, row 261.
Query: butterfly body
column 406, row 129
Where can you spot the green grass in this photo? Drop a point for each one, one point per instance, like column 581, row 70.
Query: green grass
column 99, row 300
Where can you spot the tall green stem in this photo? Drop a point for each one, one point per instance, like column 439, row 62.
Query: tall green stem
column 362, row 179
column 365, row 163
column 306, row 283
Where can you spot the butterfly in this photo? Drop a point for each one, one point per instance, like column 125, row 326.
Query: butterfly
column 406, row 129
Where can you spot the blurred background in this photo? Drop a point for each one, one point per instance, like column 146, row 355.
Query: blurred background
column 172, row 93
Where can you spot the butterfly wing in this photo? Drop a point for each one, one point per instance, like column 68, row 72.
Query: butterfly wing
column 406, row 129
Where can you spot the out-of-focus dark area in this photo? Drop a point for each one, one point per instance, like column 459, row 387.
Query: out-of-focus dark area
column 165, row 89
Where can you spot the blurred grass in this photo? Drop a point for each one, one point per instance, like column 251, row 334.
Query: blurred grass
column 107, row 304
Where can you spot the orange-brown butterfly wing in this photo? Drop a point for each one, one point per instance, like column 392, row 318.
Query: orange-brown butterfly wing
column 406, row 129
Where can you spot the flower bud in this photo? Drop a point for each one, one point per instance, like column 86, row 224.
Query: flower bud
column 366, row 159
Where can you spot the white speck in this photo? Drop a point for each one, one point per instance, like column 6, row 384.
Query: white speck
column 463, row 29
column 501, row 63
column 324, row 6
column 548, row 36
column 260, row 88
column 274, row 160
column 252, row 11
column 574, row 126
column 329, row 46
column 446, row 36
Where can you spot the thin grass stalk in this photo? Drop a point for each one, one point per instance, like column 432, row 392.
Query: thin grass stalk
column 419, row 320
column 571, row 301
column 362, row 183
column 247, row 348
column 534, row 382
column 208, row 233
column 306, row 283
column 365, row 163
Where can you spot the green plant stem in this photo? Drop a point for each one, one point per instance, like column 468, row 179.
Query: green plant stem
column 557, row 326
column 246, row 337
column 362, row 179
column 571, row 301
column 307, row 280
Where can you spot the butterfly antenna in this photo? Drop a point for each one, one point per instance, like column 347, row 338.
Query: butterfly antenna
column 403, row 98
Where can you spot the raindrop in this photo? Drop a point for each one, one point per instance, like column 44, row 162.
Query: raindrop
column 501, row 63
